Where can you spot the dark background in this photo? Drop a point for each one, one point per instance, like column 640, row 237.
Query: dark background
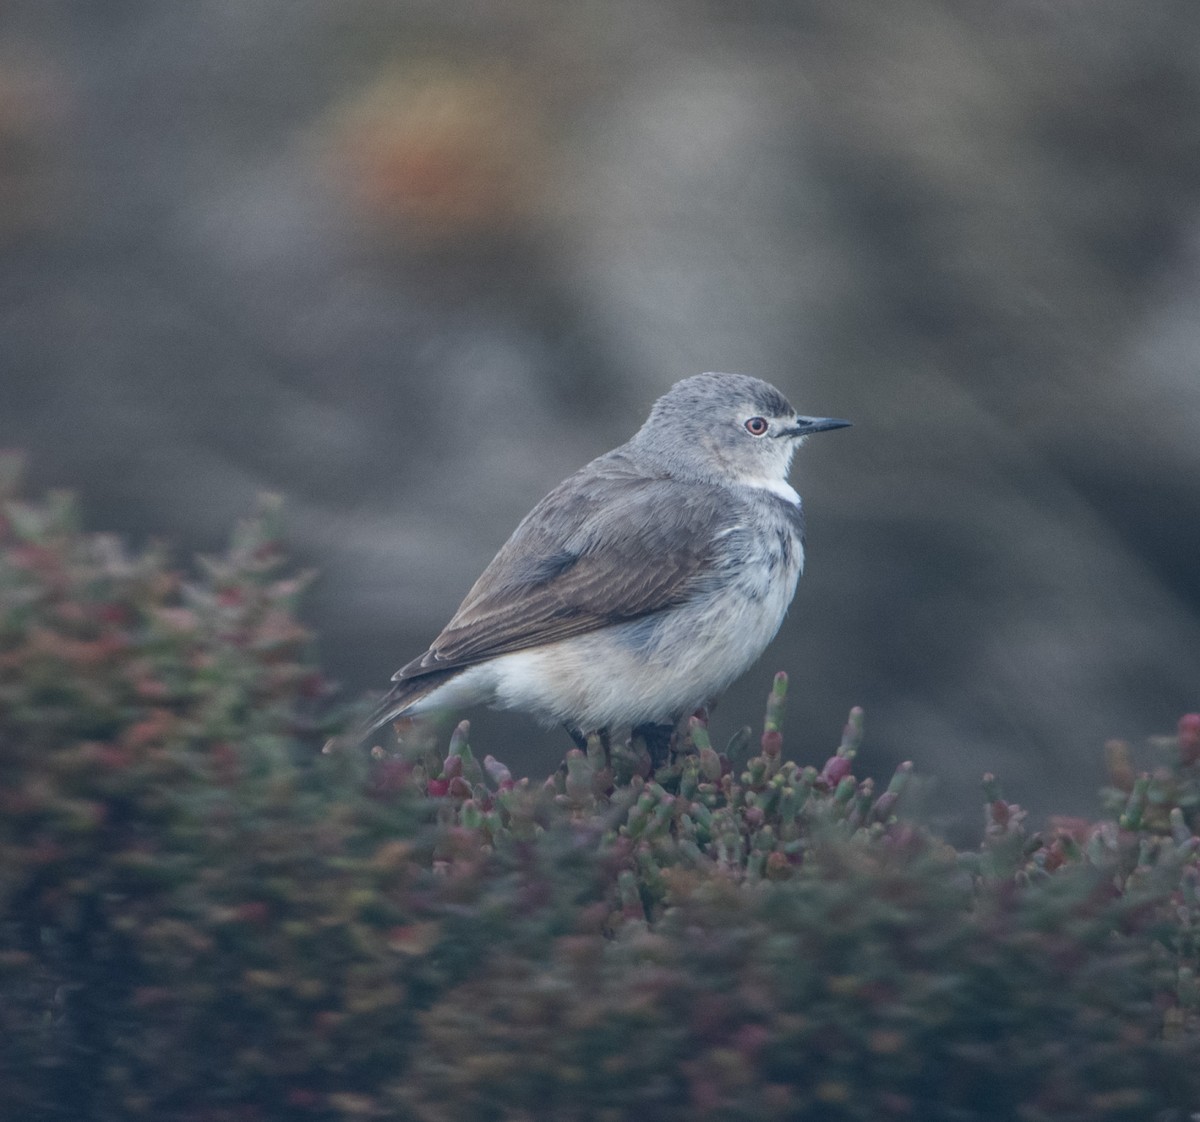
column 411, row 263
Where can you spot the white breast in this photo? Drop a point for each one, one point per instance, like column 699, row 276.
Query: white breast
column 776, row 486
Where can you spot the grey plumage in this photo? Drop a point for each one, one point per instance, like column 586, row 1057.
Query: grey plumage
column 686, row 541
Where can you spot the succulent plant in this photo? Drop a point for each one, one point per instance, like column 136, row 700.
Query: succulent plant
column 203, row 917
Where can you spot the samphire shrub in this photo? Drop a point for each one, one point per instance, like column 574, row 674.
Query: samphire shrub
column 204, row 917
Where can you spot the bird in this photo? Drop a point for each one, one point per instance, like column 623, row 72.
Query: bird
column 641, row 586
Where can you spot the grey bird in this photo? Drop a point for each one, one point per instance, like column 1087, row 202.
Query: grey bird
column 642, row 585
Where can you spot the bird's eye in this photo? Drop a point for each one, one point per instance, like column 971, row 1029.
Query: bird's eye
column 757, row 426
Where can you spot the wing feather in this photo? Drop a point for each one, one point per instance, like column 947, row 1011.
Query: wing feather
column 605, row 546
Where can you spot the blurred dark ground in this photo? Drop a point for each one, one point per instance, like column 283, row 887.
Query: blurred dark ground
column 411, row 263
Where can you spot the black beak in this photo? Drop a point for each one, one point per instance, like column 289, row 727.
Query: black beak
column 806, row 425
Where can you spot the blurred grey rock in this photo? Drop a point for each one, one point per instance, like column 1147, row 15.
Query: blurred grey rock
column 411, row 264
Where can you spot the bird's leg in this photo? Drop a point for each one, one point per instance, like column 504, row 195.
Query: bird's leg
column 576, row 734
column 657, row 739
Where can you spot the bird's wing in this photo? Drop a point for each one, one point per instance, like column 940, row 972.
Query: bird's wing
column 604, row 547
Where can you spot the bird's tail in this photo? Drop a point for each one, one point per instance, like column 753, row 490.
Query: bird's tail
column 393, row 705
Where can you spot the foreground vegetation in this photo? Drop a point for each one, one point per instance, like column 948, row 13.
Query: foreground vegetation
column 204, row 918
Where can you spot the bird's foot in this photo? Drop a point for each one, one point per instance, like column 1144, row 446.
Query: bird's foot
column 658, row 740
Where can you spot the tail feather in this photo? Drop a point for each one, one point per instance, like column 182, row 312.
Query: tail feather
column 393, row 705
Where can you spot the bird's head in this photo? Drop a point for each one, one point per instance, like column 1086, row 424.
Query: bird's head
column 727, row 426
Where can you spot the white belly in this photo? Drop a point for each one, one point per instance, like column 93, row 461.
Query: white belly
column 654, row 669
